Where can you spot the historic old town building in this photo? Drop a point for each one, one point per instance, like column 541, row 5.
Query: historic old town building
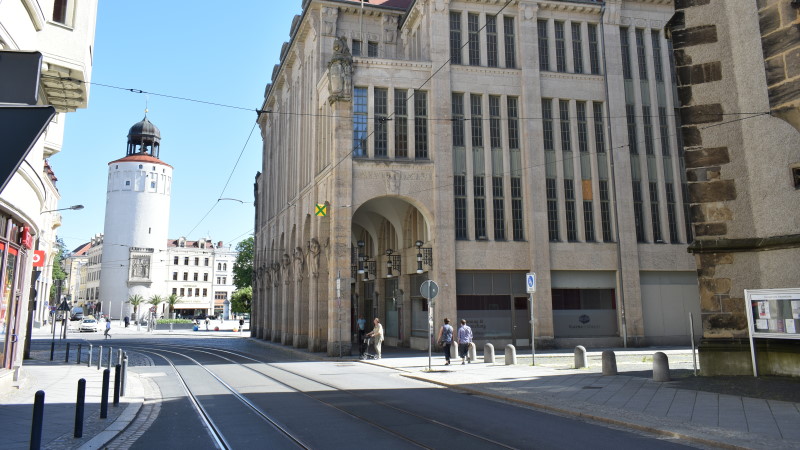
column 471, row 142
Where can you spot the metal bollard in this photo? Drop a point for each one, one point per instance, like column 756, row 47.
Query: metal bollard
column 80, row 404
column 99, row 356
column 89, row 362
column 108, row 363
column 119, row 356
column 124, row 374
column 52, row 349
column 66, row 356
column 580, row 357
column 660, row 367
column 104, row 395
column 609, row 363
column 488, row 353
column 117, row 383
column 80, row 349
column 511, row 355
column 38, row 420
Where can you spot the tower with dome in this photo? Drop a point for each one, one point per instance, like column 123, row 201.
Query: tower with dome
column 136, row 223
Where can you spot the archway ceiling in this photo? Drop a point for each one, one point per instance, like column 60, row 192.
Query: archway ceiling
column 370, row 215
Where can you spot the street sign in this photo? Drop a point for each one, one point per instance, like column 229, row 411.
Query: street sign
column 530, row 282
column 38, row 258
column 429, row 289
column 321, row 210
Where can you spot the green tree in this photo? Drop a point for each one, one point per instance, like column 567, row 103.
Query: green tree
column 241, row 300
column 135, row 300
column 155, row 300
column 243, row 266
column 172, row 300
column 59, row 275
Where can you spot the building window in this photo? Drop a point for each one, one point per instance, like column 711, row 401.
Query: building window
column 552, row 209
column 460, row 195
column 640, row 53
column 544, row 55
column 359, row 122
column 626, row 53
column 219, row 266
column 205, row 277
column 183, row 292
column 185, row 276
column 594, row 50
column 480, row 207
column 491, row 41
column 510, row 47
column 547, row 124
column 457, row 108
column 455, row 38
column 175, row 276
column 796, row 176
column 189, row 291
column 631, row 119
column 605, row 211
column 638, row 212
column 672, row 213
column 205, row 292
column 498, row 202
column 381, row 124
column 225, row 266
column 175, row 260
column 569, row 203
column 372, row 49
column 517, row 220
column 659, row 70
column 655, row 217
column 588, row 221
column 566, row 138
column 577, row 48
column 197, row 261
column 662, row 127
column 197, row 292
column 219, row 280
column 206, row 262
column 583, row 141
column 599, row 133
column 421, row 124
column 174, row 291
column 185, row 260
column 474, row 40
column 494, row 122
column 400, row 123
column 513, row 123
column 476, row 120
column 196, row 276
column 356, row 50
column 561, row 48
column 648, row 130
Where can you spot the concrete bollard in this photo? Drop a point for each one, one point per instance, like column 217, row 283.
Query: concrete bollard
column 488, row 354
column 472, row 353
column 124, row 374
column 609, row 363
column 660, row 367
column 89, row 362
column 454, row 351
column 511, row 355
column 580, row 357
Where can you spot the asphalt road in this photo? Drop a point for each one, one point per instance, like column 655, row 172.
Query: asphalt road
column 330, row 404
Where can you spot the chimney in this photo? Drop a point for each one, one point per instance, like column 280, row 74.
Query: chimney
column 219, row 244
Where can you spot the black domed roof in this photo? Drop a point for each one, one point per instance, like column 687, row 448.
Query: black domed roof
column 144, row 128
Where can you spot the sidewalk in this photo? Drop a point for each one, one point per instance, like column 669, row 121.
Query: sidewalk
column 59, row 381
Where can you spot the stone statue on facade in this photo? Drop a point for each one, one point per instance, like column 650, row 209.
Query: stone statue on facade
column 314, row 250
column 299, row 264
column 286, row 262
column 340, row 72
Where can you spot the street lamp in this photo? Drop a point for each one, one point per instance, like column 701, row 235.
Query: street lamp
column 427, row 258
column 361, row 257
column 73, row 207
column 389, row 263
column 418, row 244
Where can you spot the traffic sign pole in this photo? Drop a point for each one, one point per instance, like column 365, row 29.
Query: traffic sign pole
column 533, row 346
column 530, row 284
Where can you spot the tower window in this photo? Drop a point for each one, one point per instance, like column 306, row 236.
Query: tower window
column 796, row 176
column 127, row 182
column 141, row 166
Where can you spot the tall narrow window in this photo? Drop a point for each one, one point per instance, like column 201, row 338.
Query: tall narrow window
column 577, row 48
column 513, row 123
column 460, row 195
column 657, row 68
column 457, row 108
column 663, row 129
column 594, row 50
column 491, row 41
column 672, row 213
column 476, row 120
column 605, row 211
column 381, row 124
column 638, row 211
column 455, row 38
column 474, row 40
column 566, row 138
column 655, row 217
column 356, row 51
column 498, row 202
column 561, row 48
column 630, row 114
column 599, row 134
column 640, row 53
column 517, row 220
column 372, row 49
column 552, row 209
column 588, row 221
column 547, row 125
column 60, row 11
column 421, row 124
column 400, row 123
column 508, row 31
column 479, row 194
column 648, row 131
column 494, row 122
column 359, row 122
column 583, row 141
column 569, row 206
column 544, row 56
column 626, row 53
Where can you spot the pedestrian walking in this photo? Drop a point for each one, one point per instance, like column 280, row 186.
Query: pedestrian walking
column 127, row 321
column 445, row 339
column 206, row 323
column 107, row 334
column 241, row 324
column 377, row 335
column 464, row 339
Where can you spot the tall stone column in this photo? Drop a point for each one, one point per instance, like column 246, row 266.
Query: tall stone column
column 287, row 297
column 301, row 303
column 275, row 322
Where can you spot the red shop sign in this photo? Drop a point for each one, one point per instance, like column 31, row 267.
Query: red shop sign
column 38, row 258
column 27, row 239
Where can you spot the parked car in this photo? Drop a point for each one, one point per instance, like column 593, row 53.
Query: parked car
column 88, row 324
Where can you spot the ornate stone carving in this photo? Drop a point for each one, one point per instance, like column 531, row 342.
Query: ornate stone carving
column 314, row 250
column 340, row 72
column 393, row 179
column 389, row 29
column 276, row 274
column 299, row 264
column 329, row 16
column 286, row 262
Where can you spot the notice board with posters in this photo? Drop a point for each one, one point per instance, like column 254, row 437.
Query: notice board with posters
column 773, row 314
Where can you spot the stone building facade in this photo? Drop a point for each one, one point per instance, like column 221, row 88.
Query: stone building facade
column 738, row 68
column 471, row 142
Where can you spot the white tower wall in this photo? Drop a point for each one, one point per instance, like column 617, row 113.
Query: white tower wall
column 136, row 227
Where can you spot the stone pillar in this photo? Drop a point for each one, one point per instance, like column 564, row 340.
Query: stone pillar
column 301, row 300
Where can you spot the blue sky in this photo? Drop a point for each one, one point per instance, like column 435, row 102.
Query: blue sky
column 200, row 50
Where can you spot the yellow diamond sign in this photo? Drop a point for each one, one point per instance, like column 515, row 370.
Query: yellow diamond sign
column 321, row 210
